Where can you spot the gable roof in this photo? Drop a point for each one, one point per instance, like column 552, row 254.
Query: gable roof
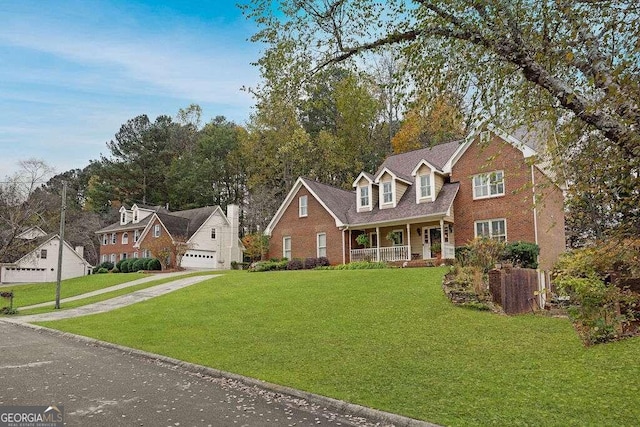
column 332, row 199
column 403, row 164
column 34, row 246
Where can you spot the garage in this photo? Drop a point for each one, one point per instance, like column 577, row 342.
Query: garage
column 199, row 259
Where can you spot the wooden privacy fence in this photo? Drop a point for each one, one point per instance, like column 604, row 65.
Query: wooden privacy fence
column 515, row 289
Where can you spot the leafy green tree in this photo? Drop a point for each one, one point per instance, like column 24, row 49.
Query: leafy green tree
column 562, row 62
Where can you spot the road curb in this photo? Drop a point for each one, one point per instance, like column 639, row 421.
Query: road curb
column 385, row 418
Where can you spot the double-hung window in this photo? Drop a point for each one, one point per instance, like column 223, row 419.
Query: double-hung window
column 105, row 239
column 156, row 230
column 364, row 196
column 387, row 192
column 286, row 247
column 302, row 206
column 322, row 245
column 425, row 186
column 136, row 236
column 125, row 238
column 493, row 229
column 488, row 185
column 213, row 233
column 113, row 238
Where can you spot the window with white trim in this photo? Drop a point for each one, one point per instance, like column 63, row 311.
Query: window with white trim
column 123, row 256
column 113, row 238
column 113, row 258
column 322, row 244
column 135, row 254
column 364, row 196
column 136, row 235
column 43, row 254
column 397, row 237
column 425, row 186
column 125, row 238
column 302, row 206
column 387, row 192
column 495, row 229
column 488, row 185
column 105, row 258
column 156, row 230
column 213, row 233
column 286, row 247
column 105, row 240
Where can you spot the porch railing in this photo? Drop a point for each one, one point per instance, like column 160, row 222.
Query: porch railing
column 387, row 253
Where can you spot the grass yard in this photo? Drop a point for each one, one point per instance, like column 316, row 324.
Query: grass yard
column 387, row 339
column 108, row 295
column 36, row 293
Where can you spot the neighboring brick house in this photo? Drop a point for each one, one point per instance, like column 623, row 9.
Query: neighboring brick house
column 212, row 236
column 424, row 203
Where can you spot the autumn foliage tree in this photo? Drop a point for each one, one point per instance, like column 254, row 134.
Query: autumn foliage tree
column 169, row 251
column 256, row 246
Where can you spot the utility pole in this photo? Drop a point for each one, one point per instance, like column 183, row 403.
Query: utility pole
column 61, row 245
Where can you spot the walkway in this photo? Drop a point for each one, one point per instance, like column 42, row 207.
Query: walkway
column 113, row 303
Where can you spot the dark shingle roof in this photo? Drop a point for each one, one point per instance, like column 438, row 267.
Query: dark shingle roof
column 186, row 223
column 403, row 164
column 407, row 207
column 336, row 199
column 129, row 226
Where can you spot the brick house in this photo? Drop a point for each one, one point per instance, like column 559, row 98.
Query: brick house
column 212, row 236
column 424, row 203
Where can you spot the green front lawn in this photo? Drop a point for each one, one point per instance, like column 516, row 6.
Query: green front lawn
column 107, row 295
column 36, row 293
column 387, row 339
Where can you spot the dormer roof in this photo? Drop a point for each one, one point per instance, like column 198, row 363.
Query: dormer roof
column 365, row 175
column 407, row 180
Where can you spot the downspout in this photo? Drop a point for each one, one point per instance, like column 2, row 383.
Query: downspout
column 441, row 238
column 378, row 244
column 343, row 248
column 535, row 203
column 408, row 242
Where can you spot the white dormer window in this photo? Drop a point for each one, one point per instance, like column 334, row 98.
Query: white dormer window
column 364, row 195
column 135, row 214
column 302, row 206
column 387, row 192
column 125, row 238
column 425, row 186
column 123, row 218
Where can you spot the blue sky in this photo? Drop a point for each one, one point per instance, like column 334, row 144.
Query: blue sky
column 72, row 71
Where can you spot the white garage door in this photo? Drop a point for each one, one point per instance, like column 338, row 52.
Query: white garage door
column 200, row 259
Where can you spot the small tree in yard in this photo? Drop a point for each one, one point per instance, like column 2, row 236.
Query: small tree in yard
column 169, row 251
column 256, row 246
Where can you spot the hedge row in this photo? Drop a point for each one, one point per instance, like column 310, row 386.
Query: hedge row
column 285, row 264
column 129, row 265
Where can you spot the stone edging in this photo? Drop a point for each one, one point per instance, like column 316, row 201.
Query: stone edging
column 389, row 419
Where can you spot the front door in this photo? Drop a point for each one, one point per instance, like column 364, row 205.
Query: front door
column 430, row 235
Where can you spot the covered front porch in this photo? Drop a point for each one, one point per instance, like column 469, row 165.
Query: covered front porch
column 429, row 240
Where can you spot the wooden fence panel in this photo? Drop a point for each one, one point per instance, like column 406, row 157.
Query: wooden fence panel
column 514, row 289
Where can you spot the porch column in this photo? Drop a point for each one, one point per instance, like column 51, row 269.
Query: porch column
column 442, row 249
column 408, row 242
column 378, row 244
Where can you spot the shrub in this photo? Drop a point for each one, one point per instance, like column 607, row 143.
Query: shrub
column 114, row 270
column 100, row 270
column 295, row 264
column 154, row 264
column 137, row 265
column 361, row 265
column 106, row 265
column 522, row 254
column 484, row 253
column 323, row 261
column 310, row 263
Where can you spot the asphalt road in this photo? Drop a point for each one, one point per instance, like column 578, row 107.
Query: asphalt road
column 100, row 386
